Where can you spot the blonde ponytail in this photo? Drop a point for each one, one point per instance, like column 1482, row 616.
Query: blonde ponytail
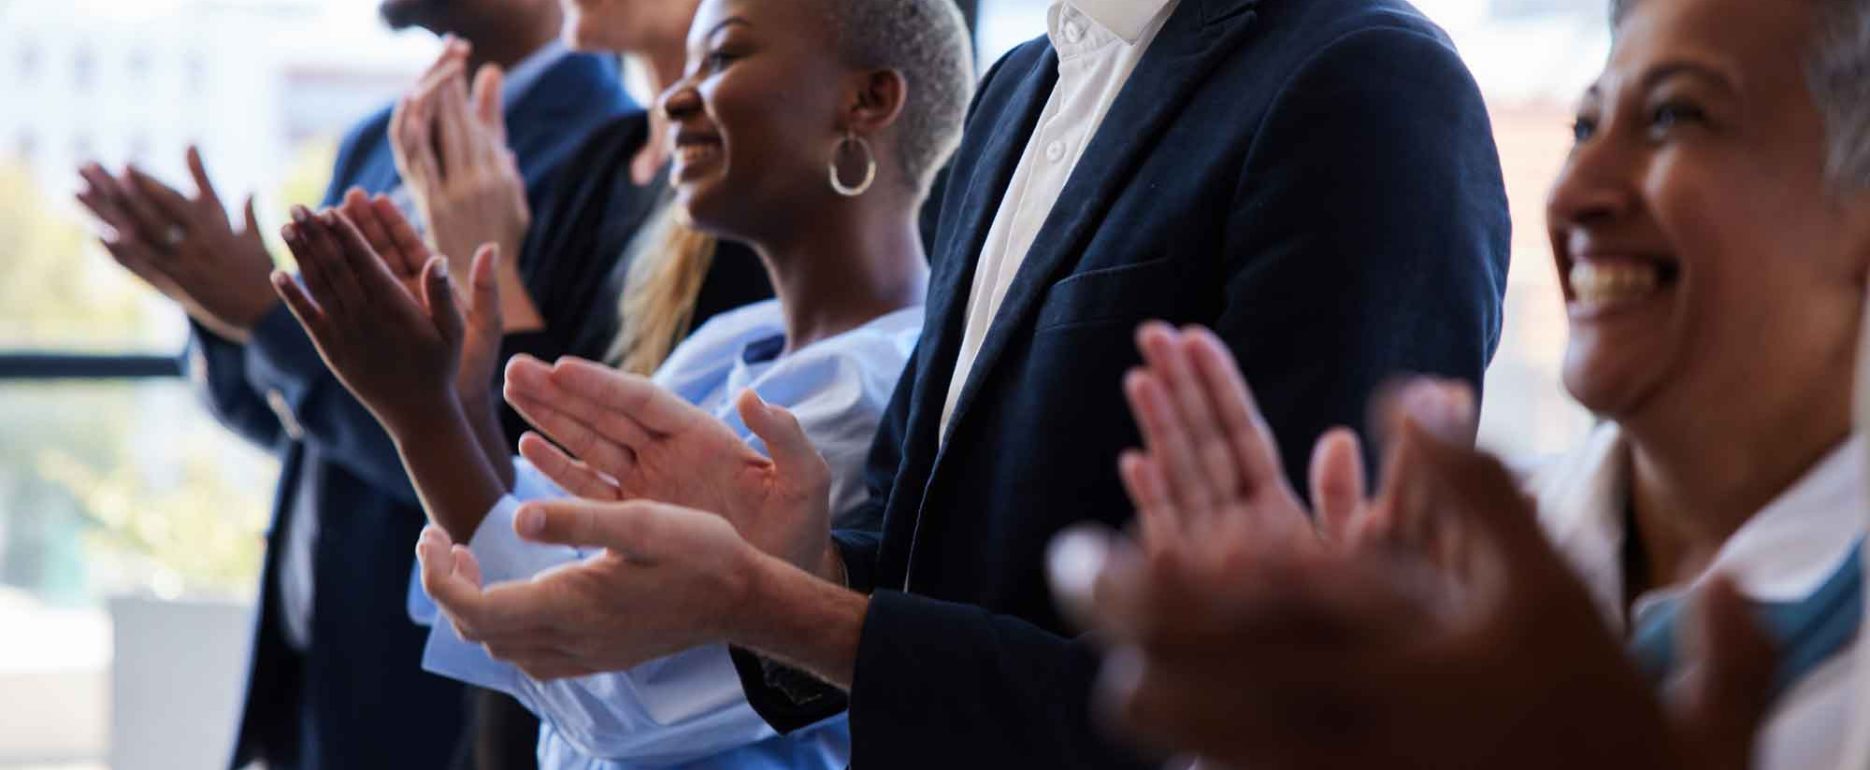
column 659, row 295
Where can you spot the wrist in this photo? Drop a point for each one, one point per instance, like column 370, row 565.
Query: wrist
column 426, row 419
column 791, row 616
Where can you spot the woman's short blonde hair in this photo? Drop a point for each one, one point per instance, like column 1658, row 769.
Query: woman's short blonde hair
column 929, row 43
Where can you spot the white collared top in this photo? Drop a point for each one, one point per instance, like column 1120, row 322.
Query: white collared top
column 1099, row 43
column 1783, row 553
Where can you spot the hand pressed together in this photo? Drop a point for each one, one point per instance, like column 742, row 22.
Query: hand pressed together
column 668, row 579
column 629, row 439
column 185, row 247
column 1441, row 613
column 389, row 329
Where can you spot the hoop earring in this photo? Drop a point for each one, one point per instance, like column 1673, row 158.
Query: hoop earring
column 870, row 172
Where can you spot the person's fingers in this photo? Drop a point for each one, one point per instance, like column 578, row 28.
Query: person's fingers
column 485, row 291
column 657, row 410
column 408, row 243
column 466, row 566
column 1253, row 443
column 348, row 296
column 438, row 295
column 205, row 194
column 489, row 82
column 1156, row 518
column 791, row 450
column 1167, row 440
column 250, row 223
column 589, row 443
column 417, row 141
column 151, row 223
column 302, row 307
column 137, row 260
column 572, row 475
column 1174, row 369
column 104, row 197
column 373, row 276
column 169, row 204
column 1337, row 481
column 314, row 271
column 452, row 116
column 1730, row 691
column 637, row 529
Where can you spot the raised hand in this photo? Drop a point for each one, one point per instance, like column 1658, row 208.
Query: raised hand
column 1209, row 480
column 669, row 579
column 406, row 255
column 629, row 439
column 1380, row 658
column 450, row 146
column 185, row 247
column 397, row 352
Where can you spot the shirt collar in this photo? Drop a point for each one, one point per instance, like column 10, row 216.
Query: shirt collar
column 530, row 70
column 1783, row 553
column 1128, row 20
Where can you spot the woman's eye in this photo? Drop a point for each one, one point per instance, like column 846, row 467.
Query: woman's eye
column 716, row 60
column 1668, row 116
column 1583, row 129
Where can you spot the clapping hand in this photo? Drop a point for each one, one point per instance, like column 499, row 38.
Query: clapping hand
column 398, row 351
column 629, row 439
column 185, row 247
column 450, row 145
column 1435, row 627
column 668, row 579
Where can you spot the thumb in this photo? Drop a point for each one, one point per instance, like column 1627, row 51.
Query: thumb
column 1730, row 690
column 486, row 288
column 438, row 294
column 1337, row 478
column 633, row 528
column 252, row 223
column 786, row 442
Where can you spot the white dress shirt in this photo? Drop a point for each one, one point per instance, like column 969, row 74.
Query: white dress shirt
column 688, row 710
column 1099, row 43
column 1784, row 553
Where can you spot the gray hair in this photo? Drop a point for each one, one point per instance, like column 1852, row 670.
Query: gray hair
column 1838, row 75
column 928, row 42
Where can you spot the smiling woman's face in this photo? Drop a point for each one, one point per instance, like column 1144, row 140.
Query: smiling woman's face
column 756, row 116
column 1703, row 255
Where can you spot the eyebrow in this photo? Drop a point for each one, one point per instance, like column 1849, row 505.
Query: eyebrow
column 1670, row 70
column 725, row 23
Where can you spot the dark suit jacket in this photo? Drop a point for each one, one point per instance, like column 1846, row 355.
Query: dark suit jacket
column 359, row 697
column 1314, row 179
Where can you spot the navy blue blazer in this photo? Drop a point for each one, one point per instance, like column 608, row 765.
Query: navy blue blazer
column 1316, row 180
column 359, row 697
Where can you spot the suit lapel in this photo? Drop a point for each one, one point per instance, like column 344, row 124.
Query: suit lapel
column 1193, row 40
column 955, row 265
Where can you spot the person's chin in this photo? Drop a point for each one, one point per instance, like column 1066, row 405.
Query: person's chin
column 1610, row 383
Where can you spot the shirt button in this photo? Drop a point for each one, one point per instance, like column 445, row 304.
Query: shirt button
column 1055, row 152
column 1074, row 32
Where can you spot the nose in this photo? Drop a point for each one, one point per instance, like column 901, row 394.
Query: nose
column 1596, row 185
column 681, row 101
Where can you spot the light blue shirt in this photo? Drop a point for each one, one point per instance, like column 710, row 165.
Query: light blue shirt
column 688, row 710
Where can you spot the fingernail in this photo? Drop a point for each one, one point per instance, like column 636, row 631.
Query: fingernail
column 441, row 269
column 530, row 522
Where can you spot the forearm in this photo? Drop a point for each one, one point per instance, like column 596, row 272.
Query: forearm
column 802, row 621
column 445, row 461
column 489, row 436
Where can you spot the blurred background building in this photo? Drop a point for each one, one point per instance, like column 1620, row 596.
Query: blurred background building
column 131, row 525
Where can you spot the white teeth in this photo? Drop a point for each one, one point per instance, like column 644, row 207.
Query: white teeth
column 692, row 153
column 1604, row 284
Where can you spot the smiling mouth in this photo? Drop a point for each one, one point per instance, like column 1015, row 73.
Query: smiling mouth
column 693, row 149
column 1597, row 285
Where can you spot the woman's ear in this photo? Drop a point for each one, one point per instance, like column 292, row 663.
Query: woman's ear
column 876, row 100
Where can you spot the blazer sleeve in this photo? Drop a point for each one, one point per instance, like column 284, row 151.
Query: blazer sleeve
column 217, row 368
column 1370, row 219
